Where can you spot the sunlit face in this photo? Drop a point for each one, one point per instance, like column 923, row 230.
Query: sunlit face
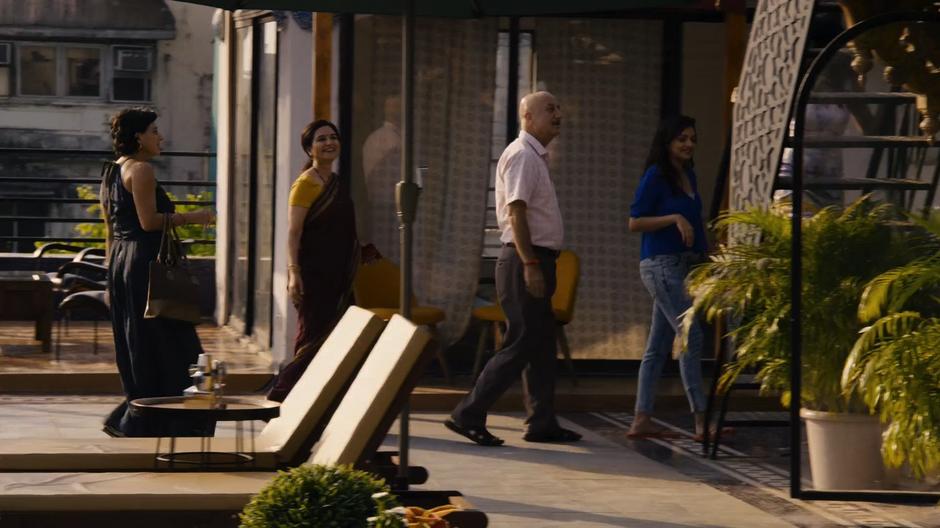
column 544, row 114
column 325, row 146
column 682, row 148
column 150, row 141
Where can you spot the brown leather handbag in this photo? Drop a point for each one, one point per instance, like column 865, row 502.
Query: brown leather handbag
column 173, row 292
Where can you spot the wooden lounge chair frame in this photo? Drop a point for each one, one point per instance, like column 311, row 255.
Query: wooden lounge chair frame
column 32, row 497
column 280, row 449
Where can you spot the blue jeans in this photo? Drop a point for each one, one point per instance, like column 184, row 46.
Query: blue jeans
column 664, row 278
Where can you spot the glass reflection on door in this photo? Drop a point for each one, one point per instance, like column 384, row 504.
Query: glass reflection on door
column 264, row 203
column 253, row 200
column 239, row 314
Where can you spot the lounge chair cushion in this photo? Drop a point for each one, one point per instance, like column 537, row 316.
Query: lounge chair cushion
column 371, row 394
column 319, row 386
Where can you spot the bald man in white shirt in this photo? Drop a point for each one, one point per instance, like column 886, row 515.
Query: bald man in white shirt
column 532, row 235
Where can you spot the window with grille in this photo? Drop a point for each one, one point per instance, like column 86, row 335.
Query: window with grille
column 76, row 71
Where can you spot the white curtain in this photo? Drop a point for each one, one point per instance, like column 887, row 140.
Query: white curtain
column 454, row 84
column 606, row 75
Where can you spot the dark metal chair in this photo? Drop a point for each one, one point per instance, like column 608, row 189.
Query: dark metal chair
column 744, row 381
column 95, row 303
column 78, row 274
column 82, row 286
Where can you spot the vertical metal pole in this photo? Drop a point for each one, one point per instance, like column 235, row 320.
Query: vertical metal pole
column 796, row 283
column 407, row 153
column 512, row 91
column 671, row 82
column 407, row 217
column 796, row 291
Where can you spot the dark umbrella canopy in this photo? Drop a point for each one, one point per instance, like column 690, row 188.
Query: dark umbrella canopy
column 453, row 8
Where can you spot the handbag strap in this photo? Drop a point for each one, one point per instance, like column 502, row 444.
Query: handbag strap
column 162, row 255
column 176, row 246
column 169, row 253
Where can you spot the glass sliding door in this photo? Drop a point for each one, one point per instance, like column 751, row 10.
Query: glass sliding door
column 252, row 183
column 239, row 314
column 264, row 201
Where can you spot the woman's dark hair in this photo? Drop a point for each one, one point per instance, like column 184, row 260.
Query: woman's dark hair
column 669, row 129
column 125, row 126
column 306, row 137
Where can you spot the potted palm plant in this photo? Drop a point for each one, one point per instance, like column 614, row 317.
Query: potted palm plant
column 750, row 283
column 895, row 365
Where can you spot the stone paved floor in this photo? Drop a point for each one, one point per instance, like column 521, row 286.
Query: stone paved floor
column 603, row 481
column 19, row 352
column 753, row 466
column 594, row 483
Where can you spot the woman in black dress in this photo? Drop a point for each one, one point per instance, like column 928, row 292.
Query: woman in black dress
column 153, row 355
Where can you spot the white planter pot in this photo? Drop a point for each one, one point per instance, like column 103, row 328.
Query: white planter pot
column 844, row 450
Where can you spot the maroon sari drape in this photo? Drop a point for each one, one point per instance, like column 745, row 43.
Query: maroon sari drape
column 329, row 258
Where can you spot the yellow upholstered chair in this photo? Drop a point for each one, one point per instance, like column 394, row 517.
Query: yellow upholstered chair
column 567, row 274
column 376, row 289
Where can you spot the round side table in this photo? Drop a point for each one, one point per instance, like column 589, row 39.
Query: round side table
column 228, row 409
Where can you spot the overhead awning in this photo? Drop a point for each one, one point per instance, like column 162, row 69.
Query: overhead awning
column 87, row 20
column 458, row 8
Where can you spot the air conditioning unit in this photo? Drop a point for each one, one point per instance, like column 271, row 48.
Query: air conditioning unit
column 6, row 53
column 133, row 58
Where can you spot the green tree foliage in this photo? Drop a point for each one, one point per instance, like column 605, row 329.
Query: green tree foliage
column 189, row 231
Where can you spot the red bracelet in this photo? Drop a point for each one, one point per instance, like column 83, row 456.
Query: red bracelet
column 531, row 262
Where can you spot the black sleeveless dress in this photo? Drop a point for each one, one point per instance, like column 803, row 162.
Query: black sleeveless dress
column 153, row 355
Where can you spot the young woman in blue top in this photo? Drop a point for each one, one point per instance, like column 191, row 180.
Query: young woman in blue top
column 667, row 209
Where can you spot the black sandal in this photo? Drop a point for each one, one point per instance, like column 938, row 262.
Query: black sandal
column 479, row 436
column 560, row 435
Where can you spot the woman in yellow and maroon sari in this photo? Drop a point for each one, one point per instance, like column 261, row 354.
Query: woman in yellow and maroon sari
column 322, row 247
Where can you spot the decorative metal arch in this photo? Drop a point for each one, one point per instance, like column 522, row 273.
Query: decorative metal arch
column 796, row 269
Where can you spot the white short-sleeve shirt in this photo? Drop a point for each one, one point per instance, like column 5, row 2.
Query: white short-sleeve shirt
column 522, row 174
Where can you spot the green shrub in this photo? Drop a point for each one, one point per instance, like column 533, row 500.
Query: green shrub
column 189, row 231
column 315, row 496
